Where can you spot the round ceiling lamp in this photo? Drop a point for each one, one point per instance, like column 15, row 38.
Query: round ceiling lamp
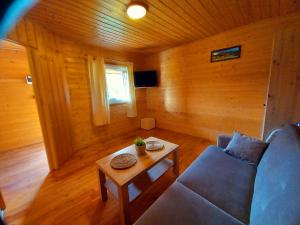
column 137, row 9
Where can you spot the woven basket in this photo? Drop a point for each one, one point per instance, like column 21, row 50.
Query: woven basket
column 123, row 161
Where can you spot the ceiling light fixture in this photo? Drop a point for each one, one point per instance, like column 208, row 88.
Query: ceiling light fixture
column 137, row 9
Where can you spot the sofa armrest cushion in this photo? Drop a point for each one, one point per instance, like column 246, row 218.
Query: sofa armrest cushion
column 223, row 141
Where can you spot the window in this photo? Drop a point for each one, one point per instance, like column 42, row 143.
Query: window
column 117, row 83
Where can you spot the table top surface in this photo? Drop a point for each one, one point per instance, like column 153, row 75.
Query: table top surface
column 144, row 162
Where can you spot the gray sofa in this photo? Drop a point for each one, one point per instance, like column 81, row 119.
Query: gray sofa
column 218, row 189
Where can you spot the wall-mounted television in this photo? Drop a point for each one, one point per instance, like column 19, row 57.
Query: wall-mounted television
column 145, row 78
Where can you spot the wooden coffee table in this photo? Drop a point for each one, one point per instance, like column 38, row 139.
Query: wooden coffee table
column 126, row 185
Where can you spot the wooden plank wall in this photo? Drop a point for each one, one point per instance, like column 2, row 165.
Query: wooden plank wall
column 284, row 87
column 84, row 133
column 60, row 81
column 19, row 119
column 205, row 99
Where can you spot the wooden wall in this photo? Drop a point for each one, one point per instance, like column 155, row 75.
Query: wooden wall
column 60, row 79
column 84, row 133
column 204, row 99
column 19, row 119
column 284, row 87
column 195, row 96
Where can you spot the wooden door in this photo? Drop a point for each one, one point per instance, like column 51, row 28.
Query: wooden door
column 50, row 86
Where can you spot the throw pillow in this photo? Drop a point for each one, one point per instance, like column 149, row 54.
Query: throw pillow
column 246, row 148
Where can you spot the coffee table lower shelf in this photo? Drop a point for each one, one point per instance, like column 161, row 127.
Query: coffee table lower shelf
column 143, row 182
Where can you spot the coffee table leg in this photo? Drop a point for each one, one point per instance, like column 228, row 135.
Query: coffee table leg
column 103, row 189
column 176, row 163
column 124, row 205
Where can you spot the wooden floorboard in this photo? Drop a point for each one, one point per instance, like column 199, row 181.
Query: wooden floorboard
column 70, row 195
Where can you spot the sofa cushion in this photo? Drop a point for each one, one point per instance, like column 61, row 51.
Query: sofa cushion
column 223, row 180
column 181, row 206
column 246, row 148
column 223, row 140
column 276, row 198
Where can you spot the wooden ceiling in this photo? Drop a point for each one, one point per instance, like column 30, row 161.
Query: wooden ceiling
column 168, row 23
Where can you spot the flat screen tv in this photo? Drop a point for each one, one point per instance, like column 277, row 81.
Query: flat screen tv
column 145, row 78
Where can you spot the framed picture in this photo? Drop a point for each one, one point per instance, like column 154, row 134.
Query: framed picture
column 226, row 54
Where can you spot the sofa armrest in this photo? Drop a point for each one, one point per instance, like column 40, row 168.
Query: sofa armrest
column 272, row 135
column 223, row 140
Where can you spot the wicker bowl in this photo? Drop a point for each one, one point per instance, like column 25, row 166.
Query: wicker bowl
column 123, row 161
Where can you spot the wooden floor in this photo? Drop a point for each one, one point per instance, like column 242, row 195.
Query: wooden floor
column 70, row 195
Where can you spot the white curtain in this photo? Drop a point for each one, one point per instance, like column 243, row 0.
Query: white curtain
column 100, row 103
column 131, row 105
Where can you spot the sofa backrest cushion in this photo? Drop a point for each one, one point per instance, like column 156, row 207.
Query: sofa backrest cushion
column 276, row 198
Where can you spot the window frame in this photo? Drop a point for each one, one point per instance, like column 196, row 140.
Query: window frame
column 116, row 67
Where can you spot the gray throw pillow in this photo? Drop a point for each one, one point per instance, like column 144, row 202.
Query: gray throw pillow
column 246, row 148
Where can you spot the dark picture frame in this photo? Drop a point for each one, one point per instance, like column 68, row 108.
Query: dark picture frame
column 224, row 54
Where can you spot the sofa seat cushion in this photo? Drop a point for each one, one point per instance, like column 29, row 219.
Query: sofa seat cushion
column 181, row 206
column 223, row 180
